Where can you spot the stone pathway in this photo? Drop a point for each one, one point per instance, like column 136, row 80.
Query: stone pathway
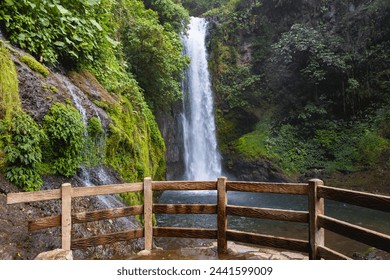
column 235, row 252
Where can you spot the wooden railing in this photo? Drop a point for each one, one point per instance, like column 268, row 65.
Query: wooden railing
column 315, row 217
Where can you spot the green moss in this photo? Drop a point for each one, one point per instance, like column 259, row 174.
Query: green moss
column 34, row 65
column 9, row 91
column 134, row 145
column 52, row 89
column 9, row 94
column 255, row 144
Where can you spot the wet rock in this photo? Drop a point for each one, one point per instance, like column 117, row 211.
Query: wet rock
column 260, row 170
column 5, row 255
column 169, row 122
column 144, row 253
column 57, row 254
column 278, row 257
column 262, row 256
column 292, row 255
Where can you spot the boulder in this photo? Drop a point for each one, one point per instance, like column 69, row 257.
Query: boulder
column 57, row 254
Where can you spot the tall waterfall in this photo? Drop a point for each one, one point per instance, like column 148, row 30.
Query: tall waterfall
column 201, row 157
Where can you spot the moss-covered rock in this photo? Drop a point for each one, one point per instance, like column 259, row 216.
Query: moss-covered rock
column 134, row 144
column 34, row 65
column 9, row 92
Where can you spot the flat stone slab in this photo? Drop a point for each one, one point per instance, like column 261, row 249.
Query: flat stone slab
column 57, row 254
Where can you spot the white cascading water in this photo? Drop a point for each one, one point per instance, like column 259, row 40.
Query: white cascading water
column 107, row 201
column 202, row 159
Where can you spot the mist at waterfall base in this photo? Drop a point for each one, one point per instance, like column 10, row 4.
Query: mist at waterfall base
column 202, row 162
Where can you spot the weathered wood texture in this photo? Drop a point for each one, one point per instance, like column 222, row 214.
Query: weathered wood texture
column 148, row 213
column 316, row 207
column 221, row 215
column 185, row 185
column 314, row 216
column 367, row 236
column 13, row 198
column 107, row 189
column 373, row 201
column 107, row 239
column 269, row 213
column 185, row 208
column 185, row 232
column 66, row 218
column 329, row 254
column 268, row 240
column 84, row 217
column 280, row 188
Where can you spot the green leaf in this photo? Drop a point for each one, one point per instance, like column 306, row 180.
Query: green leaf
column 111, row 41
column 96, row 24
column 92, row 2
column 59, row 43
column 62, row 10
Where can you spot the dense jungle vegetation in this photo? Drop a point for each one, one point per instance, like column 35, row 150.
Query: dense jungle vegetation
column 130, row 48
column 301, row 83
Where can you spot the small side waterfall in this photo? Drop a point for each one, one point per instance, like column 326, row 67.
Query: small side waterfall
column 101, row 177
column 202, row 159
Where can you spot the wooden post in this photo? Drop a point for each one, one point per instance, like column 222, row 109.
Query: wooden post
column 66, row 220
column 222, row 215
column 316, row 207
column 148, row 213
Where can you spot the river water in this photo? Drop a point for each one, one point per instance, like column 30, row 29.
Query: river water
column 202, row 162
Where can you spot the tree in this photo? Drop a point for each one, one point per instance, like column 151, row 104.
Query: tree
column 153, row 52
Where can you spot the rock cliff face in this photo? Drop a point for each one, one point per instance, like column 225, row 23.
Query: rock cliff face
column 171, row 129
column 259, row 170
column 37, row 94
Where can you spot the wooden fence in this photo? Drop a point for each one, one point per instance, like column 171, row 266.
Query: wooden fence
column 315, row 217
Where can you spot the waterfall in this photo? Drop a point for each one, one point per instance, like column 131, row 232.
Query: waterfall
column 201, row 157
column 101, row 177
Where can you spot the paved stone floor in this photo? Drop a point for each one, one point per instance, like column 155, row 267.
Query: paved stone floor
column 235, row 251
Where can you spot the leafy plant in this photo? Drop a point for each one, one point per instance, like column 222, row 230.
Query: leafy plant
column 22, row 146
column 95, row 143
column 152, row 51
column 66, row 132
column 67, row 30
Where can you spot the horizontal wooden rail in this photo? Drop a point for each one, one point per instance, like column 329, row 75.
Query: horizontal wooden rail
column 184, row 186
column 107, row 189
column 372, row 201
column 329, row 254
column 268, row 213
column 314, row 217
column 185, row 232
column 367, row 236
column 13, row 198
column 107, row 239
column 279, row 188
column 268, row 240
column 84, row 217
column 184, row 208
